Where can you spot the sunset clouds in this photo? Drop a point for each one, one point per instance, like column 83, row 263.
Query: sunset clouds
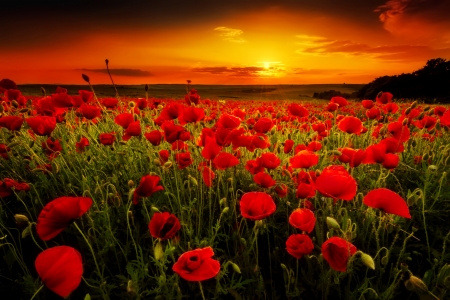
column 220, row 42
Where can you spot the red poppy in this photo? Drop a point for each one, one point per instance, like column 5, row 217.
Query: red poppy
column 110, row 102
column 183, row 160
column 60, row 269
column 373, row 113
column 353, row 157
column 341, row 101
column 299, row 148
column 163, row 225
column 257, row 205
column 314, row 146
column 134, row 129
column 107, row 138
column 303, row 219
column 146, row 188
column 225, row 160
column 399, row 131
column 179, row 146
column 4, row 149
column 59, row 213
column 228, row 121
column 42, row 125
column 390, row 161
column 7, row 184
column 439, row 111
column 192, row 115
column 84, row 142
column 192, row 97
column 163, row 155
column 351, row 124
column 207, row 175
column 154, row 137
column 62, row 100
column 270, row 160
column 298, row 245
column 8, row 84
column 304, row 159
column 337, row 183
column 124, row 120
column 197, row 265
column 367, row 104
column 332, row 107
column 12, row 123
column 336, row 251
column 288, row 145
column 85, row 95
column 390, row 108
column 263, row 125
column 281, row 190
column 90, row 111
column 174, row 132
column 297, row 110
column 52, row 147
column 387, row 201
column 254, row 166
column 211, row 148
column 384, row 98
column 171, row 112
column 264, row 180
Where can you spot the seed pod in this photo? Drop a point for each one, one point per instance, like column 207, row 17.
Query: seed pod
column 367, row 260
column 21, row 220
column 332, row 223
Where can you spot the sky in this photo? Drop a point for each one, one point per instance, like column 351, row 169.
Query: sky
column 219, row 42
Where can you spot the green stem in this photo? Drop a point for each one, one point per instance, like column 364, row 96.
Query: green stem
column 34, row 295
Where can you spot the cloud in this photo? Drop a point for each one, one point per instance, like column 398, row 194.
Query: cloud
column 122, row 72
column 249, row 71
column 398, row 53
column 230, row 34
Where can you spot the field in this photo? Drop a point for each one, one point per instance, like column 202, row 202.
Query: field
column 163, row 195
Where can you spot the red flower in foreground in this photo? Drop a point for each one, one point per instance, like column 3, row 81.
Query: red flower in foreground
column 303, row 219
column 336, row 251
column 337, row 183
column 107, row 139
column 257, row 205
column 225, row 160
column 183, row 160
column 90, row 111
column 304, row 159
column 288, row 144
column 164, row 225
column 84, row 142
column 351, row 125
column 59, row 213
column 197, row 265
column 154, row 137
column 60, row 269
column 388, row 201
column 42, row 125
column 207, row 175
column 384, row 97
column 264, row 180
column 298, row 245
column 146, row 188
column 13, row 123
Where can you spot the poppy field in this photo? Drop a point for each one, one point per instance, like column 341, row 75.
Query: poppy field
column 145, row 198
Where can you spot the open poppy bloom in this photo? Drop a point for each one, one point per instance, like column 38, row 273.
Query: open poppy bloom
column 303, row 219
column 90, row 111
column 197, row 265
column 154, row 137
column 42, row 125
column 298, row 245
column 388, row 201
column 351, row 125
column 146, row 188
column 164, row 225
column 207, row 175
column 337, row 183
column 59, row 213
column 257, row 205
column 336, row 251
column 60, row 269
column 264, row 180
column 304, row 159
column 13, row 123
column 107, row 139
column 225, row 160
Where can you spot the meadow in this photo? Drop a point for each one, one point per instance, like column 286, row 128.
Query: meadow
column 196, row 197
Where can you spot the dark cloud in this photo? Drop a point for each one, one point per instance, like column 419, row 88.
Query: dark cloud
column 121, row 72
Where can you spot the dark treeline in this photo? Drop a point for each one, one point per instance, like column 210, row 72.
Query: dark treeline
column 430, row 84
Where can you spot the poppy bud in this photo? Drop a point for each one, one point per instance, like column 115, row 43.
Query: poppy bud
column 158, row 251
column 13, row 144
column 225, row 210
column 318, row 172
column 15, row 103
column 426, row 157
column 167, row 164
column 413, row 105
column 415, row 284
column 131, row 104
column 243, row 242
column 420, row 117
column 404, row 122
column 130, row 287
column 235, row 268
column 154, row 209
column 385, row 259
column 157, row 161
column 193, row 180
column 332, row 223
column 24, row 110
column 432, row 168
column 85, row 78
column 130, row 183
column 407, row 111
column 21, row 220
column 367, row 260
column 43, row 91
column 223, row 201
column 438, row 125
column 382, row 130
column 336, row 152
column 426, row 108
column 146, row 87
column 106, row 61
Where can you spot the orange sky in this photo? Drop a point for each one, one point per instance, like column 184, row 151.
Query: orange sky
column 258, row 42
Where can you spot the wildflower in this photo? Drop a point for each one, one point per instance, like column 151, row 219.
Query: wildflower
column 197, row 265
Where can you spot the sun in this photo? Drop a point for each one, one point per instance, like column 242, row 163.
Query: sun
column 266, row 64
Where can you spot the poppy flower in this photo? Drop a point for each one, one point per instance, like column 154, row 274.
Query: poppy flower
column 163, row 225
column 85, row 95
column 332, row 106
column 52, row 147
column 228, row 121
column 192, row 97
column 390, row 108
column 304, row 159
column 297, row 110
column 341, row 101
column 399, row 131
column 7, row 184
column 59, row 213
column 353, row 157
column 314, row 146
column 257, row 205
column 367, row 104
column 336, row 251
column 225, row 160
column 174, row 132
column 281, row 190
column 384, row 97
column 288, row 145
column 110, row 102
column 270, row 160
column 107, row 139
column 163, row 155
column 8, row 84
column 373, row 113
column 12, row 123
column 183, row 160
column 303, row 219
column 42, row 125
column 207, row 175
column 254, row 166
column 60, row 269
column 351, row 125
column 192, row 115
column 146, row 188
column 390, row 161
column 84, row 142
column 388, row 201
column 299, row 148
column 154, row 137
column 298, row 245
column 197, row 265
column 211, row 148
column 263, row 125
column 134, row 129
column 4, row 149
column 337, row 183
column 90, row 111
column 171, row 112
column 124, row 120
column 62, row 100
column 264, row 180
